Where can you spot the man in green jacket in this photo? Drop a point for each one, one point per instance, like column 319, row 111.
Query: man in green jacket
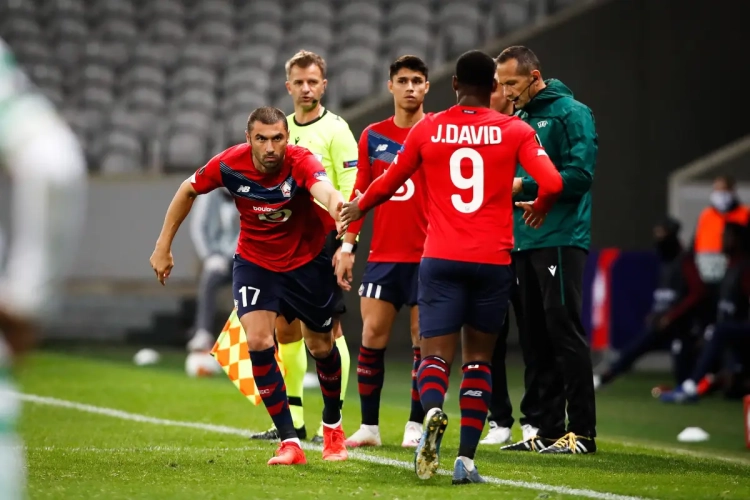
column 549, row 263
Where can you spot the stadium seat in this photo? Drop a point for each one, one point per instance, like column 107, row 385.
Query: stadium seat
column 196, row 99
column 311, row 11
column 169, row 31
column 409, row 13
column 20, row 29
column 359, row 35
column 111, row 9
column 409, row 39
column 161, row 9
column 52, row 9
column 362, row 57
column 243, row 101
column 239, row 78
column 259, row 56
column 215, row 33
column 216, row 10
column 266, row 34
column 192, row 76
column 355, row 12
column 312, row 33
column 186, row 150
column 146, row 98
column 261, row 11
column 459, row 27
column 97, row 75
column 510, row 15
column 359, row 85
column 123, row 153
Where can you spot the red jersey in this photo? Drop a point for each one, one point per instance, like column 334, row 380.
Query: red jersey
column 280, row 226
column 400, row 224
column 468, row 156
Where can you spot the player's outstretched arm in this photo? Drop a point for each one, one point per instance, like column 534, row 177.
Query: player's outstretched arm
column 328, row 196
column 161, row 260
column 535, row 161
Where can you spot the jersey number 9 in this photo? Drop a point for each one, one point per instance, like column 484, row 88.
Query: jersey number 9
column 475, row 181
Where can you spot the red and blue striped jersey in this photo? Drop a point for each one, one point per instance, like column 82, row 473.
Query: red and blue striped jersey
column 400, row 224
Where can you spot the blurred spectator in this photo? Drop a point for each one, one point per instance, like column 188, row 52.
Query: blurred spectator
column 732, row 329
column 707, row 241
column 215, row 229
column 676, row 315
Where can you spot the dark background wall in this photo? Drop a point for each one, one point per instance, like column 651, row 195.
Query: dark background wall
column 666, row 81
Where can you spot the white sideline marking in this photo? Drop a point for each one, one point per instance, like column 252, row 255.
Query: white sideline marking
column 140, row 449
column 358, row 455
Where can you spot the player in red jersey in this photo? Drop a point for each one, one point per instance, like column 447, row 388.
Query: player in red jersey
column 280, row 267
column 468, row 155
column 390, row 278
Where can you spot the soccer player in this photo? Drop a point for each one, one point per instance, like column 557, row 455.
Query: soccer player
column 468, row 157
column 48, row 175
column 500, row 418
column 390, row 278
column 329, row 138
column 280, row 267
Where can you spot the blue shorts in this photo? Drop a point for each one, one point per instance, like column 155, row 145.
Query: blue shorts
column 392, row 282
column 305, row 292
column 453, row 294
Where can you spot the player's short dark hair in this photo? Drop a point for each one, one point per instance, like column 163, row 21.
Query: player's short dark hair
column 304, row 59
column 267, row 115
column 413, row 63
column 728, row 180
column 477, row 69
column 524, row 56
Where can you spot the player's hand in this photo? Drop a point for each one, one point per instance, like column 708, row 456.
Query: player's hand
column 517, row 185
column 162, row 263
column 18, row 332
column 530, row 215
column 344, row 268
column 351, row 211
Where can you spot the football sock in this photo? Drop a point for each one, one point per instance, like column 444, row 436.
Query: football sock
column 417, row 412
column 474, row 400
column 329, row 375
column 432, row 379
column 345, row 365
column 370, row 375
column 294, row 357
column 271, row 387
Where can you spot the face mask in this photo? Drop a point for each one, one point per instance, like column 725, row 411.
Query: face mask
column 722, row 200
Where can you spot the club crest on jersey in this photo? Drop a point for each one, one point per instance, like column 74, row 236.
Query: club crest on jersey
column 286, row 189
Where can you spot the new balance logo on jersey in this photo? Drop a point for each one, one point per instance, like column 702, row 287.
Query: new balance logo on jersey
column 243, row 189
column 328, row 322
column 473, row 394
column 552, row 270
column 380, row 148
column 542, row 124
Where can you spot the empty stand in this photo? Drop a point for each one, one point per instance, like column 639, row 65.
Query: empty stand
column 179, row 77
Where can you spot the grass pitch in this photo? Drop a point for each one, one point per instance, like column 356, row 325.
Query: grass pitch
column 97, row 427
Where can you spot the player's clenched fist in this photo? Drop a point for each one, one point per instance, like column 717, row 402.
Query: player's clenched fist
column 162, row 263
